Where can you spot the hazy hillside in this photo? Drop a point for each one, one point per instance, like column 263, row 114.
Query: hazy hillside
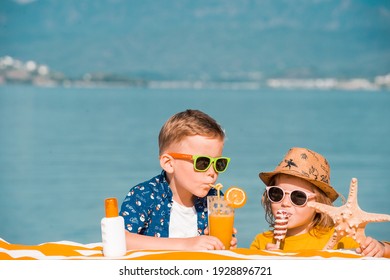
column 193, row 39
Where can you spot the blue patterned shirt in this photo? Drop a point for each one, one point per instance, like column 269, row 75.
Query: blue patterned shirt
column 146, row 209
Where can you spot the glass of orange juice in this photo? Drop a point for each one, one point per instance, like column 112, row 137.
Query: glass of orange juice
column 221, row 219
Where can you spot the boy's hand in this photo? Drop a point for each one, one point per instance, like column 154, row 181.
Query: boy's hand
column 204, row 242
column 233, row 243
column 371, row 248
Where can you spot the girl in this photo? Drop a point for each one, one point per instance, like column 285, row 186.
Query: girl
column 304, row 175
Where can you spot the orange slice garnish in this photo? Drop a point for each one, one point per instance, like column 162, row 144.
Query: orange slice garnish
column 235, row 197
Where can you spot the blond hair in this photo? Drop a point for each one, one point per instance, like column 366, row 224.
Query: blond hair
column 321, row 223
column 188, row 123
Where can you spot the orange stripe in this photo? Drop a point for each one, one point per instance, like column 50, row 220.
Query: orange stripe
column 67, row 251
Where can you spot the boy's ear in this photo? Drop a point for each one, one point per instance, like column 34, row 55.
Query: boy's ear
column 166, row 163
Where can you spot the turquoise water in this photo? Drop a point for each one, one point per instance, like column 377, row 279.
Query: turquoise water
column 64, row 150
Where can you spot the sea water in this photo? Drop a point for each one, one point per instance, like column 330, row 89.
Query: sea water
column 64, row 150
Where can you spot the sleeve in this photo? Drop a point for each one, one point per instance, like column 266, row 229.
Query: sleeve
column 255, row 244
column 347, row 243
column 134, row 209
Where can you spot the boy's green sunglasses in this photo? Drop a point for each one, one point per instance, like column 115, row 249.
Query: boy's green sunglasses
column 203, row 163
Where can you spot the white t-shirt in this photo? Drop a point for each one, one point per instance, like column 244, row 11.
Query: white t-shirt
column 183, row 221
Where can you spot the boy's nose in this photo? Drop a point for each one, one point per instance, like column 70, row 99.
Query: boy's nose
column 211, row 171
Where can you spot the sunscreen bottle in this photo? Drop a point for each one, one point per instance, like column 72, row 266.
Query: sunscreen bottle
column 113, row 230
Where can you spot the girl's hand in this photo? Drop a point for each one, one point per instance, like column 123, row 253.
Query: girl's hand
column 371, row 247
column 271, row 246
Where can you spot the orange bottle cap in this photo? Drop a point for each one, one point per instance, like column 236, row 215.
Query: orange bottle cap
column 111, row 206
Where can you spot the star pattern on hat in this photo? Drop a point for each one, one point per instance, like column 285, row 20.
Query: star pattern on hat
column 349, row 219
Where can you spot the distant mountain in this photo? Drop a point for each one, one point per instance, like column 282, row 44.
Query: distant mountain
column 203, row 39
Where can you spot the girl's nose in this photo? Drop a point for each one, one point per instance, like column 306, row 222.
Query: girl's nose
column 286, row 200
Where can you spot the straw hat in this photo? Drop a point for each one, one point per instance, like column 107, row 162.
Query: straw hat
column 305, row 164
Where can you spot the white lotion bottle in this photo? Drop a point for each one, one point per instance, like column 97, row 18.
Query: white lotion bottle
column 113, row 230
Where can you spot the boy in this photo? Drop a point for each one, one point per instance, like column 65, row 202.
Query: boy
column 173, row 204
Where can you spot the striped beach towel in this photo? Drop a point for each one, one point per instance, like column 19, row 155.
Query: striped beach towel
column 72, row 250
